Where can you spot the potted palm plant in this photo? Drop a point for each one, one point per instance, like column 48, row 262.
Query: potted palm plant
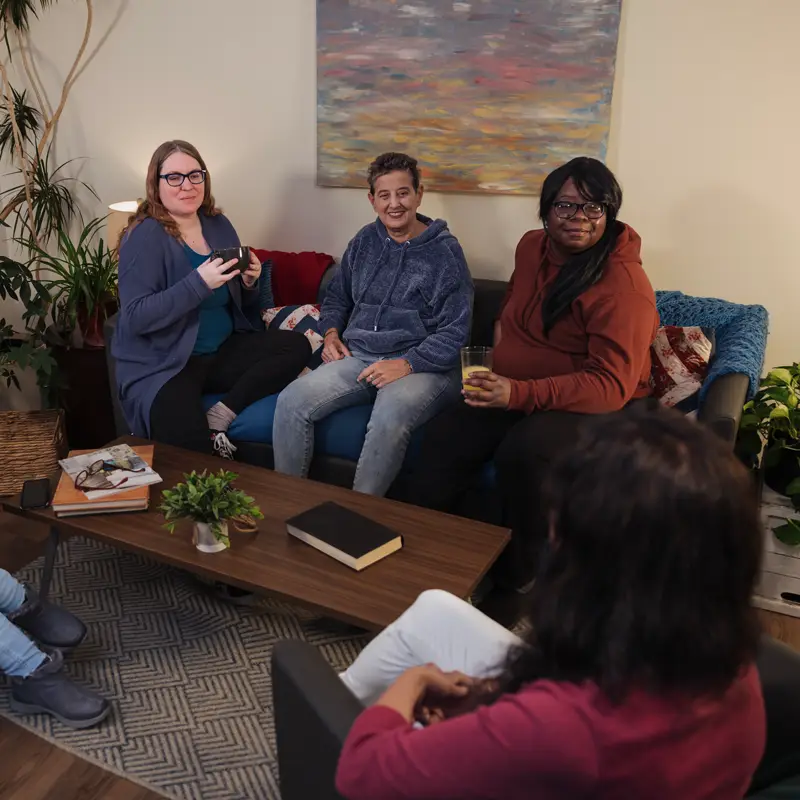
column 210, row 501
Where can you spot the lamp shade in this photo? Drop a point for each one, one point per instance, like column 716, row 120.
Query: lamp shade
column 118, row 219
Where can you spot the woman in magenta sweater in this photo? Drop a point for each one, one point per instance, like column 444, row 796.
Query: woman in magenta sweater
column 637, row 679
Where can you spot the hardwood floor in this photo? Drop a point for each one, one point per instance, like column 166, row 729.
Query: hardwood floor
column 33, row 769
column 30, row 767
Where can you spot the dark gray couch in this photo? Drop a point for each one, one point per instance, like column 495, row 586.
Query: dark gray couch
column 721, row 409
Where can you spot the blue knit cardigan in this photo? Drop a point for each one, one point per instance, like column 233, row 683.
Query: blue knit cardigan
column 740, row 333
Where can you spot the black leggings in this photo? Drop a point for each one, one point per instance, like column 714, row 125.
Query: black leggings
column 462, row 439
column 247, row 367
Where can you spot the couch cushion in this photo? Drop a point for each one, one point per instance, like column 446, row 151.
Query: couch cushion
column 303, row 319
column 680, row 357
column 341, row 434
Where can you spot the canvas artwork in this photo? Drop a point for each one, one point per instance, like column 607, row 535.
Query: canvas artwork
column 489, row 95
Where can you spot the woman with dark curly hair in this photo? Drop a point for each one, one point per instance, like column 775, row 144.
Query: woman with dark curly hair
column 183, row 328
column 637, row 676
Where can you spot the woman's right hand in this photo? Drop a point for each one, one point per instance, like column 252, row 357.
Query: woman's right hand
column 213, row 272
column 334, row 348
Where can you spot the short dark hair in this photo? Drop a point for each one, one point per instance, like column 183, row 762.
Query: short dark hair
column 657, row 546
column 393, row 162
column 595, row 181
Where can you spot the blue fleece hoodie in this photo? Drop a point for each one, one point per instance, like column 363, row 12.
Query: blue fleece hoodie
column 410, row 300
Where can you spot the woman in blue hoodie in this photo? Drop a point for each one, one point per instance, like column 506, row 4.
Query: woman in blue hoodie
column 395, row 318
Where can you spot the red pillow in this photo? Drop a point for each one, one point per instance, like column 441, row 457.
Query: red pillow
column 295, row 276
column 680, row 359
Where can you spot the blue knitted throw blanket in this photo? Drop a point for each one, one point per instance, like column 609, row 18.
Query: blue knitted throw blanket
column 740, row 333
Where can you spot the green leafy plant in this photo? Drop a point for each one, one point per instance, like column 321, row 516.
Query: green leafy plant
column 769, row 436
column 81, row 282
column 207, row 497
column 40, row 205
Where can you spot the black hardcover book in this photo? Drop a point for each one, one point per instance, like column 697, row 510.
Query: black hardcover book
column 345, row 535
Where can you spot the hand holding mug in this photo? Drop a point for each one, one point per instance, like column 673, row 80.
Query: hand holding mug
column 214, row 272
column 253, row 271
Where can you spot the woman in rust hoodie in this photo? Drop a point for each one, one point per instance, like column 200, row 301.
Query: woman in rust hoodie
column 572, row 339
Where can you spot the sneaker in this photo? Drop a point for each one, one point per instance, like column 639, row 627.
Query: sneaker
column 48, row 623
column 223, row 447
column 47, row 690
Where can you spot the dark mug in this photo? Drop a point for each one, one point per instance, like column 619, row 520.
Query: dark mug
column 229, row 253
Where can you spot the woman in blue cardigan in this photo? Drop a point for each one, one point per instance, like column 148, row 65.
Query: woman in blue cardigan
column 184, row 325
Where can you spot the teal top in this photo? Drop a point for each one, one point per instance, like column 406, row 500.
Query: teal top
column 216, row 322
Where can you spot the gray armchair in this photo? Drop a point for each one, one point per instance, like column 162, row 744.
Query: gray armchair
column 314, row 711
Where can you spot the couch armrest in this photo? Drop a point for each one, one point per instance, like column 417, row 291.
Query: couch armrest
column 121, row 426
column 313, row 712
column 325, row 280
column 779, row 670
column 722, row 406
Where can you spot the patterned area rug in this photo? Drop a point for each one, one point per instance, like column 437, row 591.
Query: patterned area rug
column 188, row 676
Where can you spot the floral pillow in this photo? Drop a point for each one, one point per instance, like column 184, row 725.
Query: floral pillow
column 304, row 319
column 680, row 359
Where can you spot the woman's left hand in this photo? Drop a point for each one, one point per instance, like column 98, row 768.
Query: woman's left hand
column 426, row 682
column 493, row 391
column 253, row 271
column 382, row 373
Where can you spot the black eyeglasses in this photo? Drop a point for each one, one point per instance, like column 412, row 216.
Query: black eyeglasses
column 564, row 210
column 83, row 478
column 176, row 179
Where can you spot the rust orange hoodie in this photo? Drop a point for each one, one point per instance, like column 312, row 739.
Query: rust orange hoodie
column 597, row 356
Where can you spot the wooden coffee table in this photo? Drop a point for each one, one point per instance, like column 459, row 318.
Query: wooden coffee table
column 440, row 551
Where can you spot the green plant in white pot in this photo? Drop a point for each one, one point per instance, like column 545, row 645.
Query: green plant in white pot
column 210, row 501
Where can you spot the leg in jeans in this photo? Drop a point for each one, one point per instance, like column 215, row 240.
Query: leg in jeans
column 523, row 460
column 438, row 628
column 19, row 656
column 250, row 366
column 308, row 400
column 400, row 408
column 177, row 416
column 457, row 443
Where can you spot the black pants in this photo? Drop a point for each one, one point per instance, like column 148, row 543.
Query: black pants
column 247, row 367
column 462, row 439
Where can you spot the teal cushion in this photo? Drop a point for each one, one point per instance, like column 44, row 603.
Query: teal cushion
column 341, row 434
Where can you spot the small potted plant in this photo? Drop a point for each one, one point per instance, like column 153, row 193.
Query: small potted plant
column 769, row 438
column 210, row 501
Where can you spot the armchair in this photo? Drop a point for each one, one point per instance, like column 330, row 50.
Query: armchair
column 314, row 711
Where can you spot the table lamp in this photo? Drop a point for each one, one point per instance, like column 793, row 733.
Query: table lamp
column 118, row 219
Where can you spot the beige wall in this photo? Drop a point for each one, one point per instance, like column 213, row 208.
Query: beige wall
column 704, row 134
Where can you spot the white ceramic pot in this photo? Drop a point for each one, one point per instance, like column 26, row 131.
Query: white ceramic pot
column 204, row 539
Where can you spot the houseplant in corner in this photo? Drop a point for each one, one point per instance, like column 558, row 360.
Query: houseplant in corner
column 210, row 501
column 769, row 437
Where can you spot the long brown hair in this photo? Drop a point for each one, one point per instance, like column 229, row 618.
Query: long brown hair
column 152, row 206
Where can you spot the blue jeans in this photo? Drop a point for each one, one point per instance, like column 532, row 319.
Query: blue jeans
column 19, row 656
column 399, row 408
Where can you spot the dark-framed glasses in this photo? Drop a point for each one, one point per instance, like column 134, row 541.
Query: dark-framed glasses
column 95, row 475
column 565, row 210
column 176, row 179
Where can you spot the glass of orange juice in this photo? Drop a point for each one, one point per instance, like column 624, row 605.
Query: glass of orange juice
column 474, row 359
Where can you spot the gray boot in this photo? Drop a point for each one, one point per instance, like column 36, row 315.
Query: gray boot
column 48, row 623
column 49, row 691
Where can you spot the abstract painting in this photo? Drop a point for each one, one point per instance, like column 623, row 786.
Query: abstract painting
column 489, row 95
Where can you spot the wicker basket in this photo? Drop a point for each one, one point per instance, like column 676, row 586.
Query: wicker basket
column 31, row 442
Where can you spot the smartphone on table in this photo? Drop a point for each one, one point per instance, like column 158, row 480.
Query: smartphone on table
column 35, row 493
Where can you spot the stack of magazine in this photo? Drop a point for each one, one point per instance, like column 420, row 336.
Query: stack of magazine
column 113, row 479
